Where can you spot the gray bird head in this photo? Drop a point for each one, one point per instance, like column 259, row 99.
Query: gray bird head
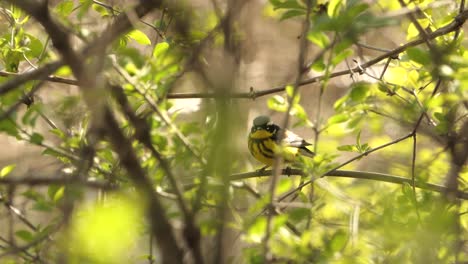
column 261, row 120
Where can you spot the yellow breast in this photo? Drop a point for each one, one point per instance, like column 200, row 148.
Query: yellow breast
column 263, row 148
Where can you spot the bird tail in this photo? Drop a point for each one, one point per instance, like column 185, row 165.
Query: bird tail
column 306, row 152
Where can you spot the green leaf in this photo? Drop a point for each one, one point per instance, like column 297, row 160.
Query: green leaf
column 419, row 55
column 338, row 118
column 289, row 90
column 277, row 103
column 287, row 4
column 24, row 235
column 365, row 147
column 36, row 138
column 64, row 8
column 7, row 170
column 359, row 91
column 43, row 206
column 160, row 49
column 31, row 115
column 292, row 13
column 338, row 241
column 334, row 7
column 59, row 194
column 8, row 126
column 34, row 48
column 256, row 231
column 101, row 10
column 358, row 138
column 59, row 133
column 139, row 37
column 319, row 38
column 84, row 7
column 353, row 122
column 440, row 117
column 52, row 152
column 341, row 103
column 341, row 56
column 319, row 65
column 350, row 148
column 298, row 214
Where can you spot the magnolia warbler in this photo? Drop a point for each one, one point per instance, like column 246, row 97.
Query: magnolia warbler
column 264, row 142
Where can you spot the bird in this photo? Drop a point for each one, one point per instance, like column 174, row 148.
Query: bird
column 264, row 142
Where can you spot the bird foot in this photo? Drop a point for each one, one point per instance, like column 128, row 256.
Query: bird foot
column 262, row 169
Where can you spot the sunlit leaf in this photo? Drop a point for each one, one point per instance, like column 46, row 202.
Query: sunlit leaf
column 256, row 231
column 64, row 8
column 139, row 37
column 341, row 56
column 292, row 13
column 338, row 118
column 359, row 91
column 7, row 170
column 277, row 103
column 319, row 38
column 334, row 7
column 338, row 241
column 350, row 148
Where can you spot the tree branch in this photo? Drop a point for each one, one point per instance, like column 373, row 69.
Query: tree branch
column 375, row 176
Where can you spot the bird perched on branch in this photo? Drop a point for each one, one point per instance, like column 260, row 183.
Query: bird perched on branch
column 264, row 142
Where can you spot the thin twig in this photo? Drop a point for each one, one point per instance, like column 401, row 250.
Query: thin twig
column 421, row 30
column 47, row 181
column 37, row 74
column 23, row 99
column 18, row 213
column 112, row 9
column 39, row 239
column 413, row 176
column 344, row 164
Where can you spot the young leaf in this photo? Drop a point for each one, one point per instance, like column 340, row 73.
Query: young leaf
column 359, row 91
column 319, row 38
column 292, row 13
column 7, row 170
column 139, row 37
column 160, row 49
column 419, row 55
column 24, row 235
column 36, row 138
column 338, row 118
